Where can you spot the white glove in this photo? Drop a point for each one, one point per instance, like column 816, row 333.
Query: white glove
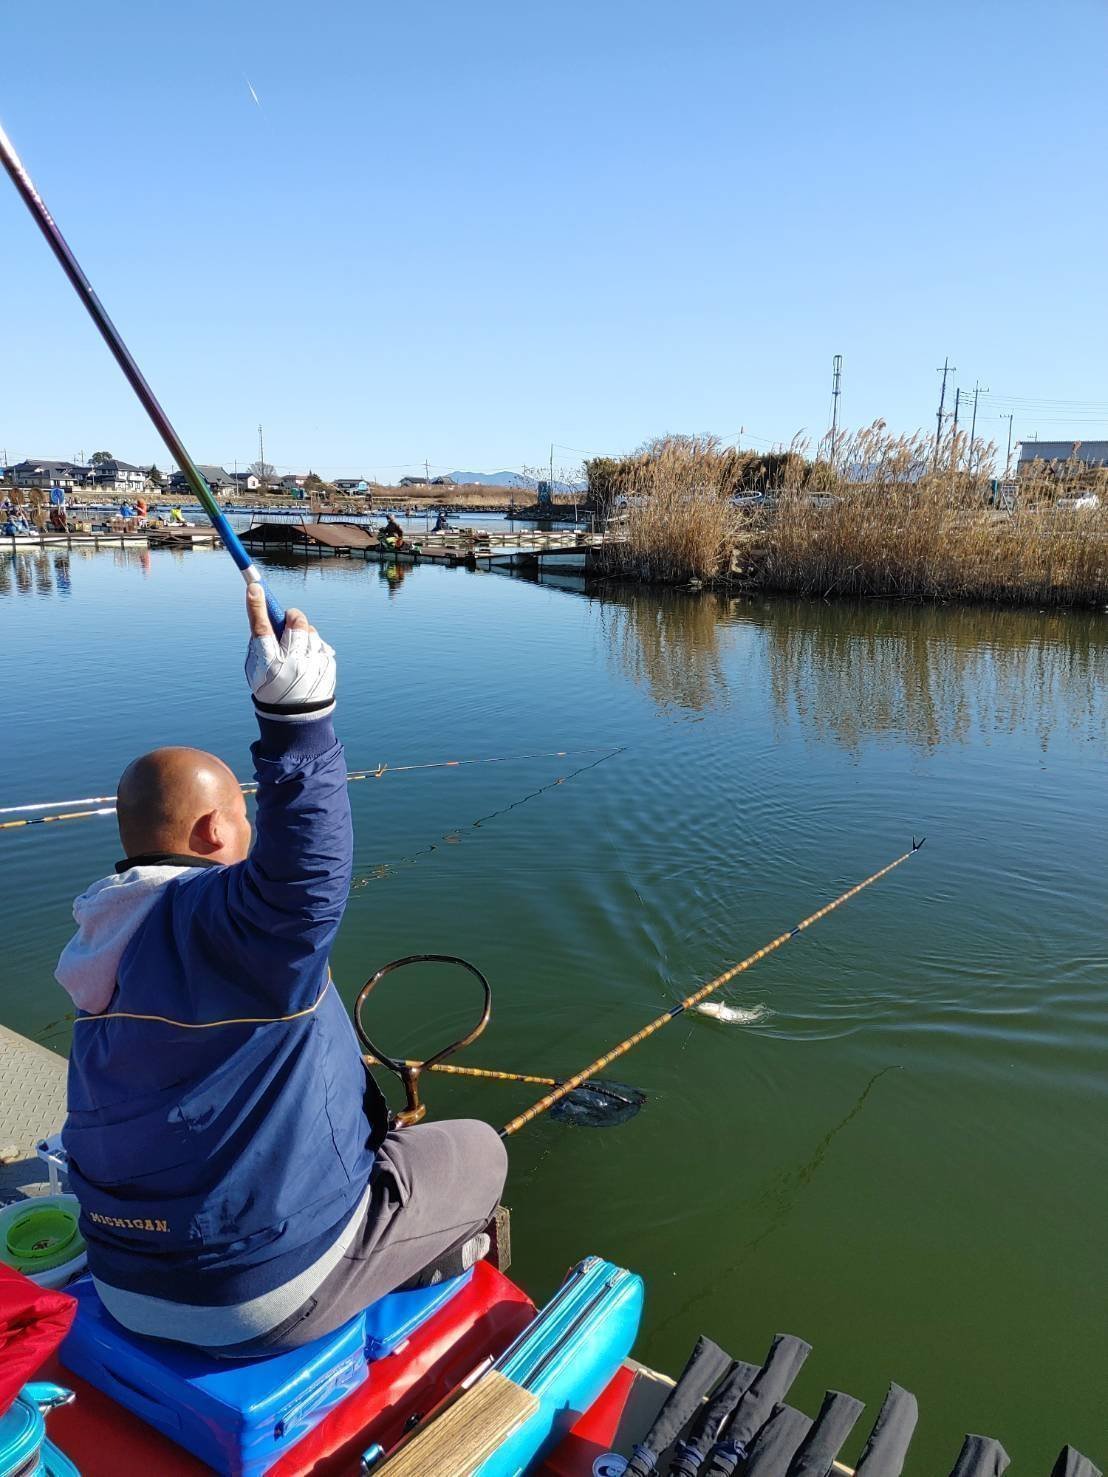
column 292, row 680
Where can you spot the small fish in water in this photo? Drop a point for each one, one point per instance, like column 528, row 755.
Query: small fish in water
column 732, row 1015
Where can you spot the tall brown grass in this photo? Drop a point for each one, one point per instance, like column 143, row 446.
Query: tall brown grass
column 874, row 515
column 679, row 522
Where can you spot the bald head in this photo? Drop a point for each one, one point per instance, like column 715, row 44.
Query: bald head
column 182, row 801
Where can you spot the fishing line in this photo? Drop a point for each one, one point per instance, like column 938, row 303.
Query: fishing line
column 387, row 869
column 779, row 1198
column 248, row 787
column 571, row 1083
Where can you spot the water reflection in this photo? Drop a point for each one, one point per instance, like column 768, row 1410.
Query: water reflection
column 48, row 572
column 669, row 643
column 852, row 673
column 393, row 575
column 934, row 675
column 42, row 572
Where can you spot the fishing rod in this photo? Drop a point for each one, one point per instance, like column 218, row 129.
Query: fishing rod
column 594, row 1101
column 248, row 787
column 111, row 336
column 570, row 1084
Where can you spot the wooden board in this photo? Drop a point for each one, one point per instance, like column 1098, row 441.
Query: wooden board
column 467, row 1432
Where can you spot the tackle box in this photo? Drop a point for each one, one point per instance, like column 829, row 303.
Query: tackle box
column 567, row 1356
column 240, row 1415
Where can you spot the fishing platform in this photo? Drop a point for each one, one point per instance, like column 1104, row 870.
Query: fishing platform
column 32, row 1106
column 535, row 550
column 145, row 538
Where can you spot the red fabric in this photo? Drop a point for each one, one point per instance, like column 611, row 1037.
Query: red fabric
column 33, row 1323
column 104, row 1440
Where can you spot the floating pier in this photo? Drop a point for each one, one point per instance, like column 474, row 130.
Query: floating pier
column 474, row 548
column 145, row 538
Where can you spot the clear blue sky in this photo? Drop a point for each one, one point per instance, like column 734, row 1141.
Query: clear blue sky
column 463, row 231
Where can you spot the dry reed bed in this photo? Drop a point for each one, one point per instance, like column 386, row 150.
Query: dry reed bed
column 876, row 519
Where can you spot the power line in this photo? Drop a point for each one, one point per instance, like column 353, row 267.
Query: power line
column 1048, row 403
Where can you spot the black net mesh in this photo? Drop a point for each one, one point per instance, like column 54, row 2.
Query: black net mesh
column 598, row 1104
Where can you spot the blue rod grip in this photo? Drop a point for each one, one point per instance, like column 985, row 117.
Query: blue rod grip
column 276, row 614
column 234, row 546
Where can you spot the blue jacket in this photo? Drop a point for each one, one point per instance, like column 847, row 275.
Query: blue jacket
column 221, row 1124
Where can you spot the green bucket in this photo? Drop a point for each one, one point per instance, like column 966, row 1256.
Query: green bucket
column 40, row 1238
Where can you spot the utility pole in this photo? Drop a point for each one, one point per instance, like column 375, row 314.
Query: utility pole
column 947, row 368
column 978, row 388
column 836, row 391
column 954, row 435
column 1008, row 458
column 426, row 471
column 261, row 451
column 550, row 484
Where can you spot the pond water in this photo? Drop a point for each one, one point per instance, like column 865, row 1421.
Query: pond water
column 902, row 1157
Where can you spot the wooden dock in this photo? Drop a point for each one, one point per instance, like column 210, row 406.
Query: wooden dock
column 144, row 538
column 535, row 550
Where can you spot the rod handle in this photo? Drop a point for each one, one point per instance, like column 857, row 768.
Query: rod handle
column 276, row 614
column 250, row 574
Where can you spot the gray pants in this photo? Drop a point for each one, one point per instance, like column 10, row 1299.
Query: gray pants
column 433, row 1187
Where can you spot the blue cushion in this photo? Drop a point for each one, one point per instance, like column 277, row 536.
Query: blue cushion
column 239, row 1415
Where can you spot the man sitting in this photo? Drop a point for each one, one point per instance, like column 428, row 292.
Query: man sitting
column 391, row 536
column 239, row 1188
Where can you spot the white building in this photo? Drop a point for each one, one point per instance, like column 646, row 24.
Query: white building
column 119, row 477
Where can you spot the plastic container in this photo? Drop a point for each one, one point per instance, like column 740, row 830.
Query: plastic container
column 240, row 1416
column 567, row 1357
column 41, row 1238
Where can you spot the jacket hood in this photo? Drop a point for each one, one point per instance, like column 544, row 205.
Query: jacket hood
column 108, row 916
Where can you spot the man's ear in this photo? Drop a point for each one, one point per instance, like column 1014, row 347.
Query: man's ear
column 207, row 833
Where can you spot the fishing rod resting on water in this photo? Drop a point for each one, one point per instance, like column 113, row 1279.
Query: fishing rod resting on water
column 248, row 787
column 600, row 1103
column 111, row 336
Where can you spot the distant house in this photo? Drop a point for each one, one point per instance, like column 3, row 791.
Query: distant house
column 1088, row 453
column 216, row 478
column 294, row 482
column 246, row 481
column 351, row 486
column 44, row 473
column 443, row 482
column 118, row 477
column 413, row 482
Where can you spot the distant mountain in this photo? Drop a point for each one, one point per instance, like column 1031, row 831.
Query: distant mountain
column 495, row 479
column 511, row 479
